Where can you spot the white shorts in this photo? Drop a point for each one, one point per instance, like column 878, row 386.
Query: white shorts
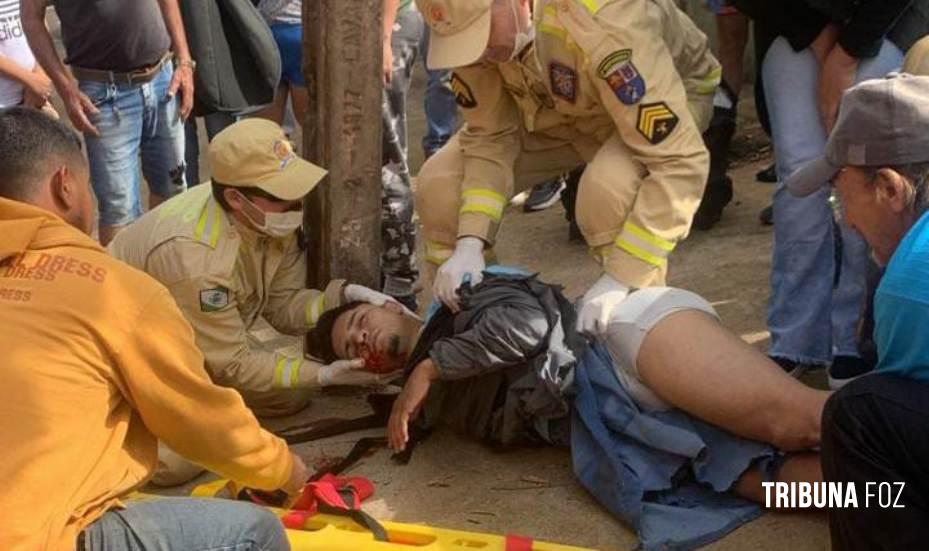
column 631, row 321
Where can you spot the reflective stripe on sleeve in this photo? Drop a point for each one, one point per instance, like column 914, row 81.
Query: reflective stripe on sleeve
column 207, row 230
column 286, row 372
column 709, row 83
column 315, row 308
column 483, row 201
column 644, row 245
column 438, row 253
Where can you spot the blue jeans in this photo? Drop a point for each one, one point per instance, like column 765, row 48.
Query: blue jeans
column 439, row 104
column 190, row 524
column 818, row 267
column 135, row 120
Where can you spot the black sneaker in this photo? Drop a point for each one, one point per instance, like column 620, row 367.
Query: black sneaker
column 790, row 367
column 845, row 369
column 766, row 216
column 767, row 175
column 544, row 195
column 409, row 301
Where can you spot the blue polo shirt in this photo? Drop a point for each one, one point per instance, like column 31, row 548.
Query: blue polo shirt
column 901, row 308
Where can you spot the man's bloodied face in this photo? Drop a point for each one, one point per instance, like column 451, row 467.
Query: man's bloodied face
column 382, row 335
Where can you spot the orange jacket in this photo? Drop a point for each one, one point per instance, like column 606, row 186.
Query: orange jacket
column 98, row 362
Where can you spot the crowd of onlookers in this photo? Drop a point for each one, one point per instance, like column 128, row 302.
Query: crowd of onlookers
column 123, row 67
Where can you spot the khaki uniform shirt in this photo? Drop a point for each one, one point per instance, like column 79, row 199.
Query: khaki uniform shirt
column 224, row 276
column 596, row 68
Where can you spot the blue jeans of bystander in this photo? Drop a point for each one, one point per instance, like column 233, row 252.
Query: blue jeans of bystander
column 134, row 120
column 186, row 523
column 818, row 267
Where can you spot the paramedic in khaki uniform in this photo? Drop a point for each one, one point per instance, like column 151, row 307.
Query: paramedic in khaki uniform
column 625, row 86
column 229, row 252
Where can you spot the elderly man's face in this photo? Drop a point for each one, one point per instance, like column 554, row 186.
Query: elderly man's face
column 873, row 204
column 383, row 334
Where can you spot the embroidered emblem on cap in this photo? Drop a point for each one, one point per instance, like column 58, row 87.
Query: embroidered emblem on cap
column 212, row 300
column 563, row 81
column 656, row 121
column 622, row 76
column 283, row 152
column 463, row 95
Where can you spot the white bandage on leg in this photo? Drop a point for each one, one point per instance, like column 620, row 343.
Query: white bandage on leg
column 631, row 321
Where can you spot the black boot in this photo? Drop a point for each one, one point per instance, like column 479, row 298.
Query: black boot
column 718, row 136
column 716, row 196
column 569, row 200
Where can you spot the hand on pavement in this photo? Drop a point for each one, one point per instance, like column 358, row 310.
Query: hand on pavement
column 598, row 304
column 408, row 403
column 467, row 260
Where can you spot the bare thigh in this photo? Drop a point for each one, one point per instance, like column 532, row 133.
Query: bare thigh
column 692, row 362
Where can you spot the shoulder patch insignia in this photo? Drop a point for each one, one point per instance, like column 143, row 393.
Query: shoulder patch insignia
column 563, row 80
column 656, row 121
column 622, row 76
column 463, row 94
column 212, row 300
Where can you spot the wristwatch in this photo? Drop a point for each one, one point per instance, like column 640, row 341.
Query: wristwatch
column 188, row 63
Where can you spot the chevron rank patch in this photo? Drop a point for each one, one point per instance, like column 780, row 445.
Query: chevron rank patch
column 622, row 76
column 463, row 94
column 212, row 300
column 563, row 81
column 656, row 121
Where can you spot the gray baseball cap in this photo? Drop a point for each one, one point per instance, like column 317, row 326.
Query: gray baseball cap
column 881, row 122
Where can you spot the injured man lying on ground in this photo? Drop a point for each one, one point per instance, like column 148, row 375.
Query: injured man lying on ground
column 673, row 422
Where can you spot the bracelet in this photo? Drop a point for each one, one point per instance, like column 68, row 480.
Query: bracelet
column 188, row 63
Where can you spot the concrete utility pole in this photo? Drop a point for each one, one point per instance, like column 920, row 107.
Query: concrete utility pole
column 342, row 133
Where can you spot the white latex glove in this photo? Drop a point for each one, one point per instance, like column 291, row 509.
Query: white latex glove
column 598, row 304
column 360, row 293
column 468, row 259
column 351, row 373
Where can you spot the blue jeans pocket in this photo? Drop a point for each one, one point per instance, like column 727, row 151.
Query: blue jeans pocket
column 99, row 93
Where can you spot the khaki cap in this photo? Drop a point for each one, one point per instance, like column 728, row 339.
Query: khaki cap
column 460, row 31
column 256, row 153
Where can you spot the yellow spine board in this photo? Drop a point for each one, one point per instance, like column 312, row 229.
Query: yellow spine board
column 336, row 533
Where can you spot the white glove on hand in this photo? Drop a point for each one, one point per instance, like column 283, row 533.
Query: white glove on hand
column 468, row 259
column 360, row 293
column 598, row 303
column 350, row 373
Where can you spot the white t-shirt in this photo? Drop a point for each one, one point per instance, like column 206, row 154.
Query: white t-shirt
column 13, row 46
